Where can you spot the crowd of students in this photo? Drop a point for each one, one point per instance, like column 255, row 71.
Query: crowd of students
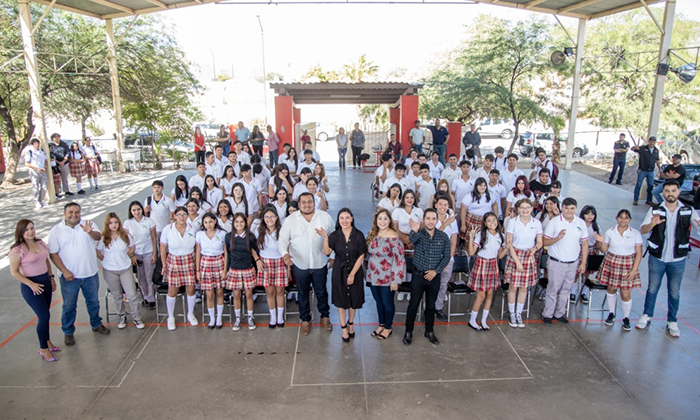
column 242, row 222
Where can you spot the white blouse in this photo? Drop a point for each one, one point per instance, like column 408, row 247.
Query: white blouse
column 178, row 245
column 385, row 203
column 271, row 249
column 491, row 247
column 227, row 226
column 227, row 185
column 115, row 257
column 400, row 216
column 480, row 207
column 524, row 235
column 623, row 244
column 211, row 247
column 141, row 232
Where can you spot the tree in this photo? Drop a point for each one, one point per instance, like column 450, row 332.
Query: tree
column 360, row 70
column 492, row 74
column 317, row 73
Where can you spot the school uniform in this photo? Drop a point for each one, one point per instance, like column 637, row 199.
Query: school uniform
column 619, row 259
column 160, row 211
column 404, row 183
column 179, row 265
column 446, row 275
column 179, row 202
column 226, row 226
column 211, row 262
column 379, row 172
column 498, row 192
column 435, row 170
column 252, row 189
column 484, row 274
column 77, row 168
column 37, row 158
column 524, row 238
column 460, row 189
column 240, row 207
column 385, row 203
column 214, row 170
column 476, row 210
column 196, row 181
column 425, row 191
column 401, row 217
column 275, row 271
column 212, row 198
column 450, row 175
column 281, row 211
column 311, row 166
column 500, row 163
column 508, row 178
column 141, row 232
column 241, row 271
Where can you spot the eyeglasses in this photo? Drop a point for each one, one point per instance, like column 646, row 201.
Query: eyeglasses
column 180, row 215
column 269, row 217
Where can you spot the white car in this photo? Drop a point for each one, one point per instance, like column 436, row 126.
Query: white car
column 209, row 130
column 495, row 127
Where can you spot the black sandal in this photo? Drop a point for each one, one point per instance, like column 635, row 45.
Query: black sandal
column 345, row 340
column 384, row 337
column 351, row 334
column 376, row 332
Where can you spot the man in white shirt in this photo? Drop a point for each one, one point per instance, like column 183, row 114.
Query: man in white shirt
column 425, row 188
column 285, row 152
column 566, row 236
column 417, row 136
column 511, row 173
column 233, row 162
column 540, row 162
column 219, row 157
column 412, row 157
column 197, row 180
column 436, row 167
column 35, row 160
column 243, row 157
column 302, row 248
column 452, row 171
column 72, row 251
column 213, row 168
column 253, row 190
column 398, row 178
column 497, row 191
column 159, row 208
column 308, row 161
column 485, row 170
column 315, row 155
column 500, row 161
column 384, row 171
column 462, row 186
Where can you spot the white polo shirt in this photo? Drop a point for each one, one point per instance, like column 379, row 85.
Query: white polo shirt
column 299, row 189
column 460, row 189
column 625, row 243
column 213, row 198
column 271, row 249
column 36, row 158
column 196, row 181
column 244, row 157
column 226, row 226
column 524, row 235
column 482, row 173
column 403, row 182
column 237, row 208
column 491, row 247
column 214, row 170
column 75, row 247
column 141, row 232
column 227, row 185
column 160, row 211
column 379, row 172
column 196, row 224
column 178, row 202
column 480, row 207
column 115, row 258
column 311, row 166
column 426, row 190
column 452, row 229
column 435, row 170
column 385, row 203
column 497, row 193
column 211, row 247
column 500, row 163
column 450, row 174
column 281, row 210
column 568, row 248
column 178, row 245
column 512, row 198
column 508, row 178
column 400, row 216
column 251, row 193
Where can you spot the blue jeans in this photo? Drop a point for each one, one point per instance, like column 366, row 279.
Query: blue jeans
column 41, row 305
column 641, row 176
column 272, row 155
column 419, row 147
column 617, row 164
column 227, row 148
column 384, row 297
column 306, row 279
column 440, row 148
column 656, row 192
column 674, row 274
column 341, row 157
column 69, row 291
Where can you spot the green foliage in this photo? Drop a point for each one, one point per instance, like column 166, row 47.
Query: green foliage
column 317, row 73
column 360, row 70
column 377, row 114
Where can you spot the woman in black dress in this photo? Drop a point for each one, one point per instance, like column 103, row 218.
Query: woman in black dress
column 347, row 287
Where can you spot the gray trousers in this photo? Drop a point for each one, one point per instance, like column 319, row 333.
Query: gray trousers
column 561, row 277
column 444, row 279
column 122, row 283
column 65, row 171
column 148, row 289
column 39, row 181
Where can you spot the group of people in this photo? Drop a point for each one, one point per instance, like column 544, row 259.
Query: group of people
column 243, row 222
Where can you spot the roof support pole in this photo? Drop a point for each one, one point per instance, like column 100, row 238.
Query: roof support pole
column 25, row 20
column 576, row 92
column 116, row 98
column 664, row 47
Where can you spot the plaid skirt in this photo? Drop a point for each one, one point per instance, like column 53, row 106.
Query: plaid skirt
column 614, row 270
column 275, row 273
column 210, row 269
column 57, row 181
column 241, row 279
column 179, row 270
column 525, row 278
column 591, row 251
column 471, row 221
column 92, row 167
column 484, row 275
column 77, row 169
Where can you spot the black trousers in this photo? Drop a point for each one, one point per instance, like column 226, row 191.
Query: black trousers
column 420, row 285
column 356, row 152
column 199, row 154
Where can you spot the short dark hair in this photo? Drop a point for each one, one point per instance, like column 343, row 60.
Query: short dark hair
column 305, row 194
column 232, row 151
column 489, row 157
column 568, row 201
column 422, row 155
column 157, row 182
column 555, row 184
column 499, row 149
column 545, row 171
column 429, row 210
column 513, row 155
column 305, row 170
column 452, row 155
column 209, row 153
column 495, row 171
column 200, row 163
column 436, row 153
column 386, row 157
column 540, row 150
column 672, row 183
column 286, row 145
column 465, row 162
column 400, row 167
column 424, row 166
column 414, row 163
column 245, row 167
column 308, row 152
column 54, row 135
column 417, row 121
column 71, row 204
column 218, row 146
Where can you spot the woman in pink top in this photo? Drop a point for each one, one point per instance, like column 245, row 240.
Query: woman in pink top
column 272, row 145
column 29, row 263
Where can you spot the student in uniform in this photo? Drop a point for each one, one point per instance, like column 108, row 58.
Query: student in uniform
column 319, row 198
column 319, row 173
column 239, row 201
column 497, row 191
column 541, row 162
column 211, row 194
column 211, row 266
column 253, row 190
column 511, row 173
column 590, row 216
column 549, row 212
column 308, row 161
column 242, row 249
column 436, row 167
column 500, row 162
column 280, row 179
column 35, row 160
column 292, row 162
column 622, row 245
column 181, row 193
column 224, row 215
column 77, row 165
column 281, row 200
column 443, row 189
column 194, row 218
column 392, row 199
column 143, row 230
column 523, row 240
column 274, row 276
column 425, row 188
column 452, row 171
column 228, row 180
column 197, row 180
column 400, row 216
column 399, row 177
column 300, row 186
column 461, row 187
column 475, row 205
column 92, row 162
column 384, row 171
column 520, row 191
column 489, row 245
column 159, row 208
column 447, row 223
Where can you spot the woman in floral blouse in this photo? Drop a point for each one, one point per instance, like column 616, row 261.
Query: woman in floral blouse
column 386, row 269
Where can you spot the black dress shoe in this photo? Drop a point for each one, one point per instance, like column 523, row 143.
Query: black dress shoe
column 562, row 319
column 547, row 321
column 407, row 338
column 431, row 337
column 69, row 193
column 441, row 316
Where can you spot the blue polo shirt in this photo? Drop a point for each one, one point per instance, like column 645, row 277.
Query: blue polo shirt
column 439, row 134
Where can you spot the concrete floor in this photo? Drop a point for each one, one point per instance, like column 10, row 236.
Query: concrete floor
column 583, row 370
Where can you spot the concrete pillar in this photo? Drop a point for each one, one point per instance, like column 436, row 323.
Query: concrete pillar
column 25, row 20
column 665, row 45
column 455, row 142
column 284, row 115
column 408, row 111
column 395, row 119
column 116, row 98
column 297, row 129
column 576, row 92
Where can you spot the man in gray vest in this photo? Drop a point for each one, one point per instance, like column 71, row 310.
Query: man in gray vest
column 668, row 245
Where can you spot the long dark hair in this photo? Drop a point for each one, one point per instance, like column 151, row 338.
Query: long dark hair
column 590, row 209
column 132, row 204
column 178, row 192
column 278, row 170
column 262, row 229
column 246, row 231
column 212, row 216
column 293, row 204
column 296, row 156
column 484, row 229
column 206, row 189
column 526, row 189
column 21, row 227
column 245, row 200
column 337, row 219
column 475, row 192
column 403, row 198
column 226, row 168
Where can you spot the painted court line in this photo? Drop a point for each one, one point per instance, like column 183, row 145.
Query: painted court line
column 434, row 381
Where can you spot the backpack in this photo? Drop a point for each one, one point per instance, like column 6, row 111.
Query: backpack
column 148, row 203
column 555, row 170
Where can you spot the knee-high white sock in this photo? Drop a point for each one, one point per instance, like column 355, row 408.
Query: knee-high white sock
column 626, row 308
column 511, row 308
column 95, row 179
column 472, row 317
column 612, row 302
column 273, row 316
column 191, row 300
column 90, row 181
column 212, row 314
column 77, row 184
column 170, row 303
column 250, row 313
column 484, row 316
column 219, row 313
column 519, row 308
column 280, row 314
column 238, row 313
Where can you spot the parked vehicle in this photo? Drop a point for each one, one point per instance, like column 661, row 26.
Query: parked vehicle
column 691, row 182
column 495, row 127
column 528, row 142
column 208, row 129
column 687, row 144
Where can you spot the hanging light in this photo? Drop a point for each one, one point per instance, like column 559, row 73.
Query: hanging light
column 685, row 72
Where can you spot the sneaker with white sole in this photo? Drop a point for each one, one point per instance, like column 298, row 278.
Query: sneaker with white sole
column 610, row 320
column 400, row 297
column 237, row 325
column 139, row 324
column 512, row 321
column 37, row 206
column 251, row 323
column 519, row 320
column 192, row 319
column 642, row 322
column 122, row 322
column 171, row 323
column 672, row 328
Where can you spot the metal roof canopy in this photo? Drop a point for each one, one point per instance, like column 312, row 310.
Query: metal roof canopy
column 581, row 9
column 346, row 93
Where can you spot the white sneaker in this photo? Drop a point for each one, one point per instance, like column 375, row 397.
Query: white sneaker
column 122, row 322
column 192, row 319
column 171, row 323
column 519, row 319
column 37, row 206
column 251, row 323
column 512, row 321
column 139, row 324
column 237, row 325
column 400, row 297
column 642, row 322
column 672, row 328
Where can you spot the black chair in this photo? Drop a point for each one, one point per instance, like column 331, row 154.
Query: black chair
column 593, row 263
column 405, row 287
column 162, row 291
column 205, row 313
column 506, row 286
column 461, row 267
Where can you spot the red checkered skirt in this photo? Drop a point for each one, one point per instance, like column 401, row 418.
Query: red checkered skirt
column 57, row 181
column 210, row 269
column 179, row 270
column 525, row 278
column 591, row 251
column 471, row 221
column 614, row 270
column 484, row 275
column 92, row 166
column 240, row 279
column 77, row 169
column 274, row 274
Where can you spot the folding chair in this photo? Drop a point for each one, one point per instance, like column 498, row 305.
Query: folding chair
column 459, row 288
column 593, row 264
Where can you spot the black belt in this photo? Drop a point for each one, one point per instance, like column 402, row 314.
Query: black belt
column 562, row 262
